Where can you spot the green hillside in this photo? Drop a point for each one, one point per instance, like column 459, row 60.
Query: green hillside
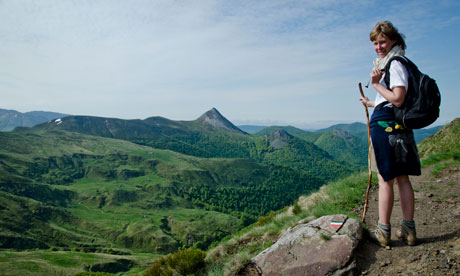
column 344, row 142
column 446, row 140
column 123, row 195
column 356, row 129
column 209, row 136
column 111, row 186
column 199, row 138
column 339, row 143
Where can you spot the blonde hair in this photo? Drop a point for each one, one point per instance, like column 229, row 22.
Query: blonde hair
column 387, row 29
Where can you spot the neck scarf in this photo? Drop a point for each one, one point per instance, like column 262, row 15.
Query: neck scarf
column 379, row 63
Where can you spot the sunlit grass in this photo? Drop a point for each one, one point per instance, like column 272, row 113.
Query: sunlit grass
column 340, row 197
column 441, row 161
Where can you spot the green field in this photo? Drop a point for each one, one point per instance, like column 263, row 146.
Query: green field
column 63, row 263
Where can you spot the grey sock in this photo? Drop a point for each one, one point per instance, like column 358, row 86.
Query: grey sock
column 409, row 223
column 384, row 227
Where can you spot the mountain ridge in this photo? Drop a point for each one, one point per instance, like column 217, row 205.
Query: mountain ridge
column 10, row 119
column 210, row 136
column 211, row 120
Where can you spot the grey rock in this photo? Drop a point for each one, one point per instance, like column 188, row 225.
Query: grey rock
column 445, row 263
column 320, row 247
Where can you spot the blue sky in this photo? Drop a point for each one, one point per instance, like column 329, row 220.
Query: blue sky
column 258, row 62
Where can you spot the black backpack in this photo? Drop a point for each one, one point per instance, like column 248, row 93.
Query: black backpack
column 422, row 101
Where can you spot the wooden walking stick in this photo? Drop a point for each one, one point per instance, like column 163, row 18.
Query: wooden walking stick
column 368, row 157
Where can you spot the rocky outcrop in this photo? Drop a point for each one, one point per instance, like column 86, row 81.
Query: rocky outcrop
column 342, row 134
column 279, row 138
column 324, row 246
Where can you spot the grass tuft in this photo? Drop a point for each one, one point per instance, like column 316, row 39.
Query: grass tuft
column 441, row 161
column 325, row 236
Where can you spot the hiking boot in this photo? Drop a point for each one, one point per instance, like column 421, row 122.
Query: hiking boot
column 381, row 237
column 407, row 235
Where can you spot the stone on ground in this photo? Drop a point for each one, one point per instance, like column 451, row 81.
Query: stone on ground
column 324, row 246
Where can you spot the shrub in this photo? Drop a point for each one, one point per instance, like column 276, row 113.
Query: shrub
column 183, row 262
column 296, row 209
column 266, row 219
column 187, row 261
column 159, row 268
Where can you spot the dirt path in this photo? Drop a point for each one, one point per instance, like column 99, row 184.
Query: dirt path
column 437, row 217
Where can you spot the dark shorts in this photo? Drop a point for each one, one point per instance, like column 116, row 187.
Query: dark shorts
column 395, row 149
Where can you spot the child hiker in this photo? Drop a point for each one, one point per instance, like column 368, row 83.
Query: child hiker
column 394, row 147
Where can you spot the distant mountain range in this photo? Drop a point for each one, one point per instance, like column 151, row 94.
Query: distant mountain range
column 9, row 119
column 157, row 185
column 209, row 136
column 344, row 142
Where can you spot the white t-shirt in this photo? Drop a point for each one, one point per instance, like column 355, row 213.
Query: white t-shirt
column 398, row 77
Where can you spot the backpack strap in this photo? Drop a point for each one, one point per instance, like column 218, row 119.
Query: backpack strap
column 405, row 61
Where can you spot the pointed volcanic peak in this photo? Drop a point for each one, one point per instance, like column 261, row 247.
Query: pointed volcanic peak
column 214, row 120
